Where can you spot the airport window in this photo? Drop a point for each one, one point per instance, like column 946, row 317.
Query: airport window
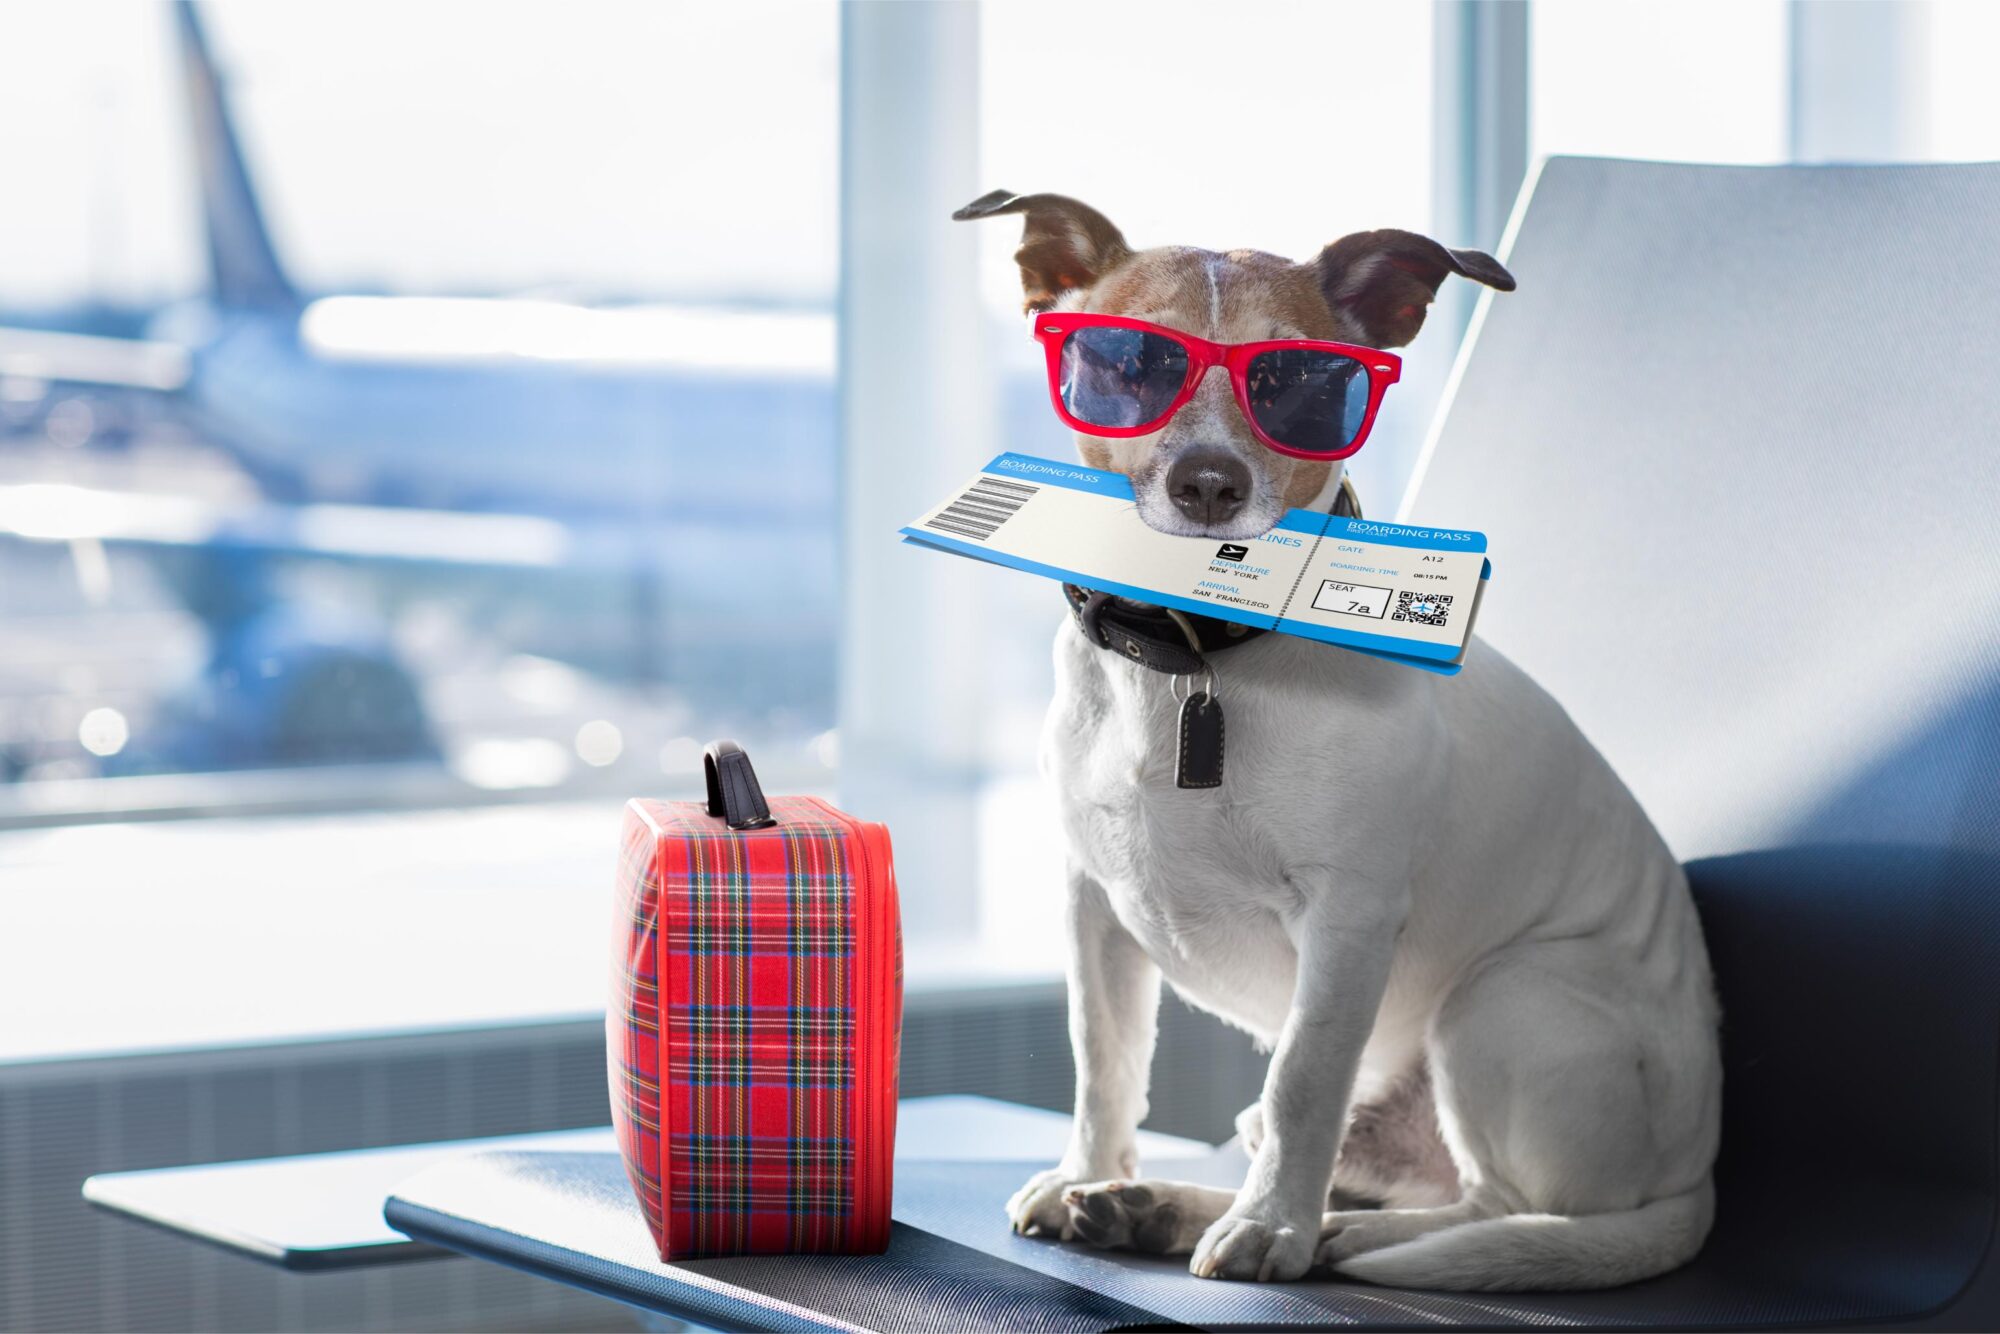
column 468, row 391
column 1618, row 80
column 422, row 458
column 1949, row 65
column 412, row 432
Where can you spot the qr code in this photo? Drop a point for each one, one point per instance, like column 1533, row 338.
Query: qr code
column 1422, row 608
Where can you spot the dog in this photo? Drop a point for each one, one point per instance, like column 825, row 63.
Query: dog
column 1478, row 967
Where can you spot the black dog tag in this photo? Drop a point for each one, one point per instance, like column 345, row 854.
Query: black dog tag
column 1198, row 762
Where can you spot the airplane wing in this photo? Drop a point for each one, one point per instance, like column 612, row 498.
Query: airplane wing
column 59, row 512
column 129, row 363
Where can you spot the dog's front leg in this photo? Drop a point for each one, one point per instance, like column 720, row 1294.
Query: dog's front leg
column 1345, row 938
column 1114, row 1003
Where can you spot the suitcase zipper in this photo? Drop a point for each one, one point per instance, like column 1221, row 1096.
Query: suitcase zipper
column 889, row 932
column 870, row 1205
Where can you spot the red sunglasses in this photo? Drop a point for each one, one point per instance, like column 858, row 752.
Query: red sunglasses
column 1116, row 377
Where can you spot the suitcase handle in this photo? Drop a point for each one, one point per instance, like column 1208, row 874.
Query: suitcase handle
column 733, row 791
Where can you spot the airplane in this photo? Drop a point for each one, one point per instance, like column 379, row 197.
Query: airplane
column 668, row 469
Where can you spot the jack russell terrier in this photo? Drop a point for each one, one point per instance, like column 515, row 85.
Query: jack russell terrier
column 1477, row 965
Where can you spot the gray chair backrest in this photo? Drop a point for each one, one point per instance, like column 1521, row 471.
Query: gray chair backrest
column 1735, row 443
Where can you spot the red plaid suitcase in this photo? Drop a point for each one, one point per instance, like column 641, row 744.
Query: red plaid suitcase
column 755, row 1020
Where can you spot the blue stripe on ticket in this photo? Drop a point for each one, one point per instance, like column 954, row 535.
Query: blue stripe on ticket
column 1403, row 534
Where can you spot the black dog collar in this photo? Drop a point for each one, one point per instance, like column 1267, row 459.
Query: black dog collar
column 1153, row 636
column 1149, row 635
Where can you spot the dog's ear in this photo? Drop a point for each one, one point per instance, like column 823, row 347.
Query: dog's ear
column 1065, row 243
column 1383, row 280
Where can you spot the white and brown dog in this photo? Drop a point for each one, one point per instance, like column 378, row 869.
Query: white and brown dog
column 1476, row 962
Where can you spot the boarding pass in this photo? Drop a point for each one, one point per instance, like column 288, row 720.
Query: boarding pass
column 1402, row 591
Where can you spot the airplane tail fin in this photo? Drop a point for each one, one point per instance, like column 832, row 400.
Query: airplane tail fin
column 243, row 264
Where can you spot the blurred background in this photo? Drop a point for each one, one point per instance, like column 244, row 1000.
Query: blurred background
column 423, row 426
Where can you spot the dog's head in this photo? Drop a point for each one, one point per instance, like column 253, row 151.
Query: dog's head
column 1204, row 473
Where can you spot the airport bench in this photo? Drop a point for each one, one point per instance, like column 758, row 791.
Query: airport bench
column 323, row 1211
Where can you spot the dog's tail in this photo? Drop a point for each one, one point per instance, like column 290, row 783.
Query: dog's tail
column 1546, row 1251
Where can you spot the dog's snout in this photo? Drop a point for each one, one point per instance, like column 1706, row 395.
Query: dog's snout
column 1209, row 485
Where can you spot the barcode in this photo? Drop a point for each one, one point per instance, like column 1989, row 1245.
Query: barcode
column 977, row 513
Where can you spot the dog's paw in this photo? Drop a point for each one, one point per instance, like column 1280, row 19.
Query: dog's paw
column 1237, row 1246
column 1342, row 1238
column 1125, row 1216
column 1037, row 1209
column 1345, row 1234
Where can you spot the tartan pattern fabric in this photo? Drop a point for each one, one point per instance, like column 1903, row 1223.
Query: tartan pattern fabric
column 733, row 1026
column 632, row 1020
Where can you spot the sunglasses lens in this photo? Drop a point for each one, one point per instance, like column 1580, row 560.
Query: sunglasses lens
column 1307, row 399
column 1120, row 377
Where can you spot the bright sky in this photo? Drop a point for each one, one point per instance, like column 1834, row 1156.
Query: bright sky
column 1657, row 80
column 1276, row 126
column 631, row 146
column 634, row 147
column 619, row 146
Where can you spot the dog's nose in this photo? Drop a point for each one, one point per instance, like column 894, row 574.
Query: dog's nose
column 1208, row 484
